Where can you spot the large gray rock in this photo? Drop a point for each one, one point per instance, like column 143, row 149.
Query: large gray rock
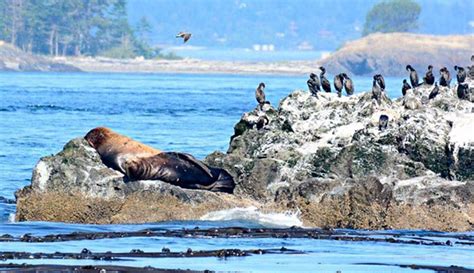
column 327, row 150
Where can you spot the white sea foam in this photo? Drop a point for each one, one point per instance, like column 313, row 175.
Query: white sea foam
column 271, row 219
column 11, row 218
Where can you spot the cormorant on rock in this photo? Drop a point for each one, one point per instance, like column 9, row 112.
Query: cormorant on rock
column 324, row 82
column 405, row 87
column 434, row 92
column 429, row 77
column 338, row 84
column 462, row 91
column 348, row 85
column 376, row 91
column 380, row 81
column 313, row 84
column 262, row 121
column 461, row 73
column 260, row 95
column 383, row 122
column 413, row 76
column 185, row 35
column 445, row 79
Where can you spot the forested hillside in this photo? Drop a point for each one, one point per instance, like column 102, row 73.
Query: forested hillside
column 71, row 27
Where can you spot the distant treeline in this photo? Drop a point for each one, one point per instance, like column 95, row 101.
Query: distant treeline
column 73, row 27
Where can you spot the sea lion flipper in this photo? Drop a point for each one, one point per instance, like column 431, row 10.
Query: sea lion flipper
column 192, row 160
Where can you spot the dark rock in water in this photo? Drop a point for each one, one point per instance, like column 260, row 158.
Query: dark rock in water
column 324, row 157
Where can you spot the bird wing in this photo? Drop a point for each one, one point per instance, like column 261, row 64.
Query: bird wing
column 187, row 37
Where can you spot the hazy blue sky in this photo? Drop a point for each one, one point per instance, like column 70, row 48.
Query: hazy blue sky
column 285, row 23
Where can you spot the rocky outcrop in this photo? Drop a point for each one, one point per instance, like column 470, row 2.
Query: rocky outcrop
column 13, row 59
column 386, row 53
column 75, row 186
column 324, row 157
column 327, row 158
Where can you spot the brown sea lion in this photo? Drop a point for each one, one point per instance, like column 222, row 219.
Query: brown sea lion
column 140, row 162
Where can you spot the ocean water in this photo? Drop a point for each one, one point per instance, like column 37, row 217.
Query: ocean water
column 40, row 112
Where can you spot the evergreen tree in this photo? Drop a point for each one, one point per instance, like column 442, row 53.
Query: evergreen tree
column 392, row 16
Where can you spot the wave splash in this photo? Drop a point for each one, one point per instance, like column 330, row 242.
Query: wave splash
column 253, row 214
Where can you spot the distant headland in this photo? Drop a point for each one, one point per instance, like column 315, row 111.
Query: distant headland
column 376, row 53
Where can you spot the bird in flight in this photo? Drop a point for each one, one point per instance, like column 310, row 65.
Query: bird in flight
column 185, row 35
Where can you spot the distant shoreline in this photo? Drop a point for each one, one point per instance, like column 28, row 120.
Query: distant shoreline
column 190, row 66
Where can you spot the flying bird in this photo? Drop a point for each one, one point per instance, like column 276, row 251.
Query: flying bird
column 185, row 35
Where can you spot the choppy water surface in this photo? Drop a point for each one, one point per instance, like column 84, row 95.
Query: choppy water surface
column 39, row 113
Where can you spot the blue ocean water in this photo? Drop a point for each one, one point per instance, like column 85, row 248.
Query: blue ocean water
column 40, row 112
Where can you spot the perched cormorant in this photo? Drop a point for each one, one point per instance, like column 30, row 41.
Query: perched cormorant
column 324, row 82
column 338, row 84
column 461, row 75
column 445, row 79
column 383, row 122
column 260, row 95
column 405, row 87
column 413, row 76
column 380, row 81
column 185, row 35
column 348, row 85
column 429, row 77
column 313, row 84
column 376, row 91
column 262, row 121
column 462, row 91
column 434, row 92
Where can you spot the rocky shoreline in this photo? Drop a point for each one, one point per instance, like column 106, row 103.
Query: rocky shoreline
column 322, row 157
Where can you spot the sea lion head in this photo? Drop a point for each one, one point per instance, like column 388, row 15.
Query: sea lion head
column 97, row 136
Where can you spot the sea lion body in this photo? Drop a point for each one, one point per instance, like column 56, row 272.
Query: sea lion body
column 140, row 162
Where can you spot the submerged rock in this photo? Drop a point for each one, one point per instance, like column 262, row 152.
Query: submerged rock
column 324, row 157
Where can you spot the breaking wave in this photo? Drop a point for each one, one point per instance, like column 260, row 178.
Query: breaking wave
column 270, row 219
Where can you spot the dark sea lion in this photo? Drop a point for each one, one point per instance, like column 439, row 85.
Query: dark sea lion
column 413, row 76
column 138, row 161
column 406, row 86
column 445, row 79
column 348, row 84
column 313, row 84
column 461, row 73
column 380, row 81
column 338, row 84
column 324, row 82
column 429, row 77
column 383, row 122
column 434, row 92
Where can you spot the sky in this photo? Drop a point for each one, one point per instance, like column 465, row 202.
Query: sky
column 285, row 24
